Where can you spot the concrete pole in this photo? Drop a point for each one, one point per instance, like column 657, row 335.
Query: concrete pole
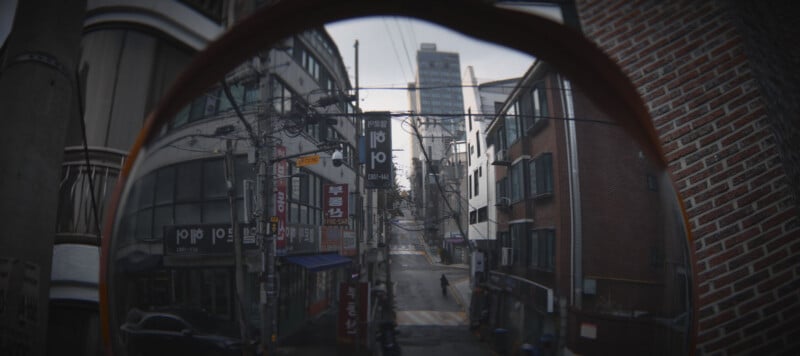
column 37, row 98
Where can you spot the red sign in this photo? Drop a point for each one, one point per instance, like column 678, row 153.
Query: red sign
column 353, row 307
column 334, row 204
column 281, row 170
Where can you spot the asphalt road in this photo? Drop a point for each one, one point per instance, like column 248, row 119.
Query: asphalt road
column 429, row 323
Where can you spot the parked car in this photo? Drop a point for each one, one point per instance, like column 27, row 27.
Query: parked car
column 182, row 331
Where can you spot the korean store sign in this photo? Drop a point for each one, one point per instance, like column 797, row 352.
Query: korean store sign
column 206, row 239
column 353, row 307
column 281, row 170
column 334, row 204
column 378, row 132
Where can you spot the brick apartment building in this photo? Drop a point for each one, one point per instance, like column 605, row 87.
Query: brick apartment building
column 573, row 192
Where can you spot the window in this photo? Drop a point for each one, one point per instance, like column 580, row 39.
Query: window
column 501, row 189
column 512, row 124
column 478, row 142
column 476, row 184
column 469, row 185
column 483, row 214
column 193, row 192
column 473, row 217
column 517, row 182
column 541, row 175
column 542, row 249
column 518, row 242
column 281, row 97
column 539, row 103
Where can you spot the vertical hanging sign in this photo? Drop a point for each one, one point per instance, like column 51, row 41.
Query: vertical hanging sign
column 334, row 204
column 378, row 132
column 281, row 170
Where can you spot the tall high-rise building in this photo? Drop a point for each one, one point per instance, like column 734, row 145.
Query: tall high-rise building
column 437, row 100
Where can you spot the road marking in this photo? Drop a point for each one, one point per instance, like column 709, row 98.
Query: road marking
column 405, row 252
column 430, row 317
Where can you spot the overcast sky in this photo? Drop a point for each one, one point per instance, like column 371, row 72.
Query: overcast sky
column 387, row 58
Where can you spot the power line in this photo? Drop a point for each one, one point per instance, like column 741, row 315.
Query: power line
column 403, row 40
column 394, row 48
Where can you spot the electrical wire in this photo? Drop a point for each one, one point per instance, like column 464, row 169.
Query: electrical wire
column 86, row 153
column 403, row 40
column 394, row 48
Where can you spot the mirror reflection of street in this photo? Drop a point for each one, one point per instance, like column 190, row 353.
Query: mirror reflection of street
column 429, row 323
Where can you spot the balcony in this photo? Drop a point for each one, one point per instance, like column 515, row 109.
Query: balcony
column 501, row 158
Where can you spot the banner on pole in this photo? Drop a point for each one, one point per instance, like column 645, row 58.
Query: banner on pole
column 378, row 137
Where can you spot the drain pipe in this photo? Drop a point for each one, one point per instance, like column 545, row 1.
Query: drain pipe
column 575, row 197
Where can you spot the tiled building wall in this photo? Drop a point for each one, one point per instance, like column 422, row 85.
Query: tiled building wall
column 727, row 152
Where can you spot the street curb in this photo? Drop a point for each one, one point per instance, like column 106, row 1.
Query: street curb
column 456, row 294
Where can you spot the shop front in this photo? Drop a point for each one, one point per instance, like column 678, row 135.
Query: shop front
column 308, row 287
column 517, row 310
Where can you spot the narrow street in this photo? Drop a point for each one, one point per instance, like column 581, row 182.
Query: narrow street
column 428, row 322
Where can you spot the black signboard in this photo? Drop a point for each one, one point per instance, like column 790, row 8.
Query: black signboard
column 206, row 239
column 378, row 138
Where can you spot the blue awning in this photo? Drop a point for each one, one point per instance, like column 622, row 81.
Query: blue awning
column 315, row 263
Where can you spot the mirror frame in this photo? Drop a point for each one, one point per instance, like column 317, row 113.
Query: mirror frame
column 563, row 47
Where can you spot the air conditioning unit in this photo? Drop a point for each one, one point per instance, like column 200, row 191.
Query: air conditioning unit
column 503, row 203
column 506, row 256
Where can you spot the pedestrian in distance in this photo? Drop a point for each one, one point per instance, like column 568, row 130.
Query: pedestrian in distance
column 444, row 283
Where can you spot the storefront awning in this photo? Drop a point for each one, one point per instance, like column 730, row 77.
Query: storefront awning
column 315, row 263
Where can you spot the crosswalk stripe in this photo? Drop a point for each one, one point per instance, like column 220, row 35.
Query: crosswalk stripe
column 430, row 317
column 405, row 252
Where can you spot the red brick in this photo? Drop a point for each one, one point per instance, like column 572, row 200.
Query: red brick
column 714, row 296
column 733, row 218
column 709, row 116
column 726, row 255
column 715, row 214
column 716, row 135
column 674, row 134
column 729, row 278
column 741, row 237
column 745, row 259
column 758, row 217
column 720, row 344
column 752, row 196
column 700, row 209
column 779, row 220
column 716, row 320
column 767, row 177
column 711, row 193
column 738, row 135
column 730, row 195
column 770, row 259
column 750, row 343
column 770, row 284
column 781, row 304
column 751, row 280
column 757, row 303
column 711, row 273
column 730, row 117
column 726, row 174
column 709, row 335
column 688, row 171
column 673, row 156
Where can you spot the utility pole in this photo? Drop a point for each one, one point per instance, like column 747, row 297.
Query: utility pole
column 269, row 306
column 37, row 91
column 230, row 180
column 359, row 225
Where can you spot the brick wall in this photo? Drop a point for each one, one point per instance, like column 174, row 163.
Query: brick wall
column 688, row 61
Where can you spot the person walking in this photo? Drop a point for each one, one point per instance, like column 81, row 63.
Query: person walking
column 444, row 283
